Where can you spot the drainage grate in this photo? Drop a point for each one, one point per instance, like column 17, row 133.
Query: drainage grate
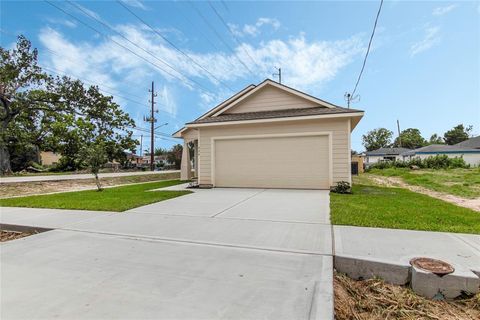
column 435, row 266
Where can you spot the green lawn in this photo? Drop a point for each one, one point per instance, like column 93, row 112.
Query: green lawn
column 110, row 199
column 396, row 208
column 460, row 182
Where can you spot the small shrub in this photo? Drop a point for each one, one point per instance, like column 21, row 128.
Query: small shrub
column 435, row 162
column 342, row 187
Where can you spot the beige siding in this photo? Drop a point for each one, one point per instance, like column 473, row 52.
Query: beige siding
column 304, row 166
column 270, row 98
column 338, row 128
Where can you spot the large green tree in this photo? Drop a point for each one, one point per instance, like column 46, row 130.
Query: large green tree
column 410, row 138
column 458, row 134
column 436, row 139
column 61, row 114
column 377, row 138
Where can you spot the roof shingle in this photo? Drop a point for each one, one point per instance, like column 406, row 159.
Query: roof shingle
column 299, row 112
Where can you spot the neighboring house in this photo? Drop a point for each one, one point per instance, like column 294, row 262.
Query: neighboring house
column 470, row 155
column 270, row 136
column 473, row 143
column 384, row 154
column 49, row 158
column 134, row 159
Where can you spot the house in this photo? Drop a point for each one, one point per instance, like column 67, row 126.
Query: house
column 384, row 154
column 270, row 136
column 49, row 158
column 470, row 155
column 473, row 143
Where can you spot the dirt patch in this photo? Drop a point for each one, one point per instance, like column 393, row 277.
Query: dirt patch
column 12, row 235
column 375, row 300
column 15, row 189
column 473, row 204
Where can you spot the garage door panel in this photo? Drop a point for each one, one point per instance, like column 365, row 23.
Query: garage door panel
column 273, row 162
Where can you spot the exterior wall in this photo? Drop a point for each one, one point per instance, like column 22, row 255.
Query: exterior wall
column 473, row 159
column 339, row 129
column 369, row 160
column 271, row 98
column 49, row 158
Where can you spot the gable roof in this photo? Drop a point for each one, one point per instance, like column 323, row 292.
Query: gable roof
column 387, row 151
column 470, row 143
column 217, row 114
column 274, row 114
column 440, row 148
column 269, row 82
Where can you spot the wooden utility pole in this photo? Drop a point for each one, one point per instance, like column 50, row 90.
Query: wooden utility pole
column 152, row 128
column 141, row 144
column 152, row 121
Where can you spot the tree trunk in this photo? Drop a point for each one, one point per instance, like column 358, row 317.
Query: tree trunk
column 5, row 167
column 97, row 181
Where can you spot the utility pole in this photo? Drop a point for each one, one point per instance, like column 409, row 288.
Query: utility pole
column 399, row 137
column 152, row 121
column 141, row 144
column 279, row 74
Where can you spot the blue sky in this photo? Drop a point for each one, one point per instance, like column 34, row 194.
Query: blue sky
column 423, row 69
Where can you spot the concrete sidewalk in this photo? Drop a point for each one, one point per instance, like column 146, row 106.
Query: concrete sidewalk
column 59, row 177
column 364, row 253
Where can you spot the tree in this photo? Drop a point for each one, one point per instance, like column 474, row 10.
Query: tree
column 458, row 134
column 56, row 113
column 377, row 138
column 175, row 155
column 436, row 139
column 94, row 156
column 160, row 151
column 410, row 138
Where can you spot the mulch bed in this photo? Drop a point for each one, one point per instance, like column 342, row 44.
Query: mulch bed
column 12, row 235
column 374, row 300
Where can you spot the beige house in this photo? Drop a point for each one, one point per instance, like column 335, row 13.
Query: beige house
column 270, row 136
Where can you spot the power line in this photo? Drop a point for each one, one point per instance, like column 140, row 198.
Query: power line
column 128, row 49
column 230, row 31
column 351, row 96
column 134, row 44
column 173, row 45
column 220, row 37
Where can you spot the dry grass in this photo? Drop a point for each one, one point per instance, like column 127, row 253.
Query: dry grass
column 15, row 189
column 375, row 300
column 12, row 235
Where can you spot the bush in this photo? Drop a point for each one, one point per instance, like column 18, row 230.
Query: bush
column 435, row 162
column 342, row 187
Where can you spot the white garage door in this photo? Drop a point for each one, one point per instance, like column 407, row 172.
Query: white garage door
column 272, row 162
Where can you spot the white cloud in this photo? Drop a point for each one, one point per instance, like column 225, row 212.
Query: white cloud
column 430, row 39
column 305, row 64
column 440, row 11
column 167, row 101
column 135, row 3
column 254, row 29
column 63, row 22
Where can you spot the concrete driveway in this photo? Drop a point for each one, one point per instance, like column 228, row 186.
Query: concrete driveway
column 213, row 254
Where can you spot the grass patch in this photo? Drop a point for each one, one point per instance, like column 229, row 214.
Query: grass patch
column 110, row 199
column 459, row 182
column 396, row 208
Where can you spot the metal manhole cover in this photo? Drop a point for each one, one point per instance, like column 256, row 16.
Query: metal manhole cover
column 435, row 266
